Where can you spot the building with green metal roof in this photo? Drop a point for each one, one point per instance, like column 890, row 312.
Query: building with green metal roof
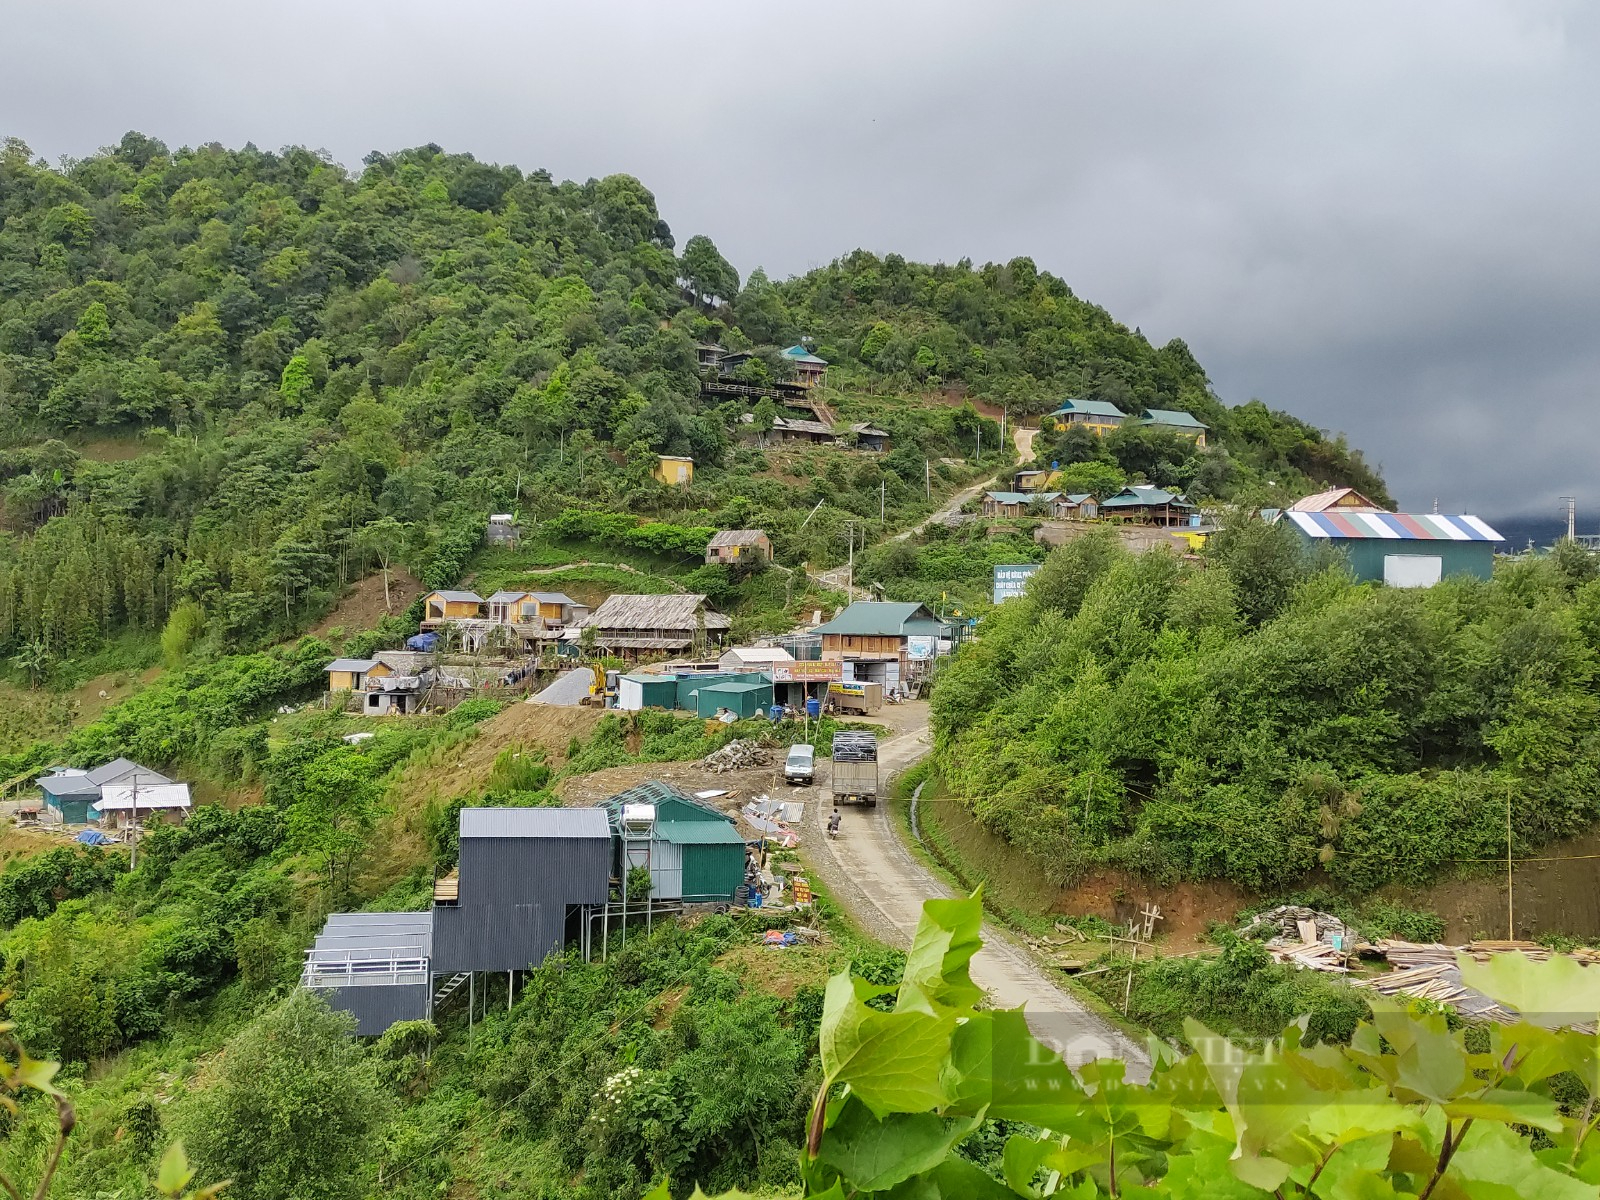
column 747, row 697
column 1098, row 416
column 886, row 642
column 1176, row 420
column 694, row 851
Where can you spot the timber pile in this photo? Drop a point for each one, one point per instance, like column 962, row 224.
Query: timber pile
column 1298, row 924
column 1428, row 971
column 1304, row 937
column 736, row 756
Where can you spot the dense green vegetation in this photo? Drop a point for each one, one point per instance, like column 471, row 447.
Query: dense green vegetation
column 231, row 381
column 1263, row 719
column 937, row 1098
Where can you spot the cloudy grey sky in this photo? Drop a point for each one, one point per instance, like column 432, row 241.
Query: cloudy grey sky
column 1380, row 217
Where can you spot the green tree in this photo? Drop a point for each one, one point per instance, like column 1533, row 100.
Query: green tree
column 293, row 1109
column 707, row 273
column 384, row 539
column 296, row 383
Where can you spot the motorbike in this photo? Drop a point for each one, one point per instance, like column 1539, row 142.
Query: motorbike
column 833, row 825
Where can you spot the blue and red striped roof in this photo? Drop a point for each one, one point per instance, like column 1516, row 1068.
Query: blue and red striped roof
column 1414, row 527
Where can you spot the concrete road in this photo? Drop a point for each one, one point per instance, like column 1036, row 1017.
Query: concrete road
column 878, row 880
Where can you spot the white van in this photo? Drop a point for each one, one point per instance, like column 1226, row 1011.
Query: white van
column 800, row 766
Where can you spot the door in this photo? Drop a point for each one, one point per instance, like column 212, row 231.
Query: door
column 1412, row 570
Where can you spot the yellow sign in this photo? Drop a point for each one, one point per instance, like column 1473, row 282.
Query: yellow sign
column 802, row 891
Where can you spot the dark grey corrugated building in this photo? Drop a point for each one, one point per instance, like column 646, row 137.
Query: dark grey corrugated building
column 375, row 966
column 528, row 877
column 524, row 872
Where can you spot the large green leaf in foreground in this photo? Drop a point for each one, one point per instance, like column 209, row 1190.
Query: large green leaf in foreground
column 1406, row 1110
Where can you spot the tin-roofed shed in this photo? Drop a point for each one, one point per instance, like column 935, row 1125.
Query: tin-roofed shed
column 744, row 698
column 640, row 690
column 1402, row 549
column 694, row 852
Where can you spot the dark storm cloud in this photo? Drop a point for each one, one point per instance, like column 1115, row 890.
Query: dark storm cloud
column 1379, row 217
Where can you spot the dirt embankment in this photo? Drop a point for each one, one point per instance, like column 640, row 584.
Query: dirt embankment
column 363, row 604
column 462, row 769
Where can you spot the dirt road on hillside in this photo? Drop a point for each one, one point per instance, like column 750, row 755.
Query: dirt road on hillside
column 882, row 885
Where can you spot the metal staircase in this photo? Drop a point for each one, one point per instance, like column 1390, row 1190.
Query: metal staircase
column 449, row 988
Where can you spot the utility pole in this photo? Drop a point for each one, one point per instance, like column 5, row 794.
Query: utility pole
column 883, row 496
column 927, row 478
column 1511, row 912
column 850, row 584
column 133, row 830
column 1005, row 413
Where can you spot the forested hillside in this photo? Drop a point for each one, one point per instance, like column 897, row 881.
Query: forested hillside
column 1265, row 720
column 231, row 381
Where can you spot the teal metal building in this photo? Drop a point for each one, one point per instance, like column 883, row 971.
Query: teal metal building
column 748, row 696
column 1402, row 549
column 693, row 851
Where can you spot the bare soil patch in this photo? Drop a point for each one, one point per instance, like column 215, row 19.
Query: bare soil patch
column 363, row 604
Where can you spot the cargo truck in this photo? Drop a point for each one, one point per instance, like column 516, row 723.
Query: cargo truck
column 855, row 769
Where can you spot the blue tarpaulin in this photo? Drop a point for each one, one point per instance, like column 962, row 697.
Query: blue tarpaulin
column 93, row 837
column 425, row 642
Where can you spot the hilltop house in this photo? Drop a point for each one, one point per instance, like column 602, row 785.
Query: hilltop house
column 1033, row 479
column 630, row 625
column 809, row 370
column 1146, row 505
column 501, row 530
column 875, row 641
column 1099, row 416
column 1175, row 421
column 441, row 606
column 870, row 437
column 1017, row 504
column 798, row 429
column 739, row 547
column 1341, row 499
column 707, row 355
column 1402, row 549
column 124, row 805
column 1079, row 506
column 673, row 470
column 70, row 795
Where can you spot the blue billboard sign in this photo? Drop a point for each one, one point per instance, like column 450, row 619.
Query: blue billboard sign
column 1010, row 579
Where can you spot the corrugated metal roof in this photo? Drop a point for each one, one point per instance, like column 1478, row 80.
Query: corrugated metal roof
column 878, row 618
column 1176, row 418
column 122, row 796
column 458, row 597
column 506, row 597
column 1093, row 408
column 1420, row 527
column 1020, row 497
column 734, row 688
column 700, row 833
column 736, row 537
column 358, row 665
column 1141, row 494
column 801, row 354
column 553, row 598
column 1332, row 498
column 534, row 823
column 118, row 768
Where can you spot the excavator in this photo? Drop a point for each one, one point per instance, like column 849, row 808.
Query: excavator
column 598, row 692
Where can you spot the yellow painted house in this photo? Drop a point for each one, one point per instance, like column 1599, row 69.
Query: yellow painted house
column 673, row 470
column 351, row 674
column 1100, row 417
column 451, row 606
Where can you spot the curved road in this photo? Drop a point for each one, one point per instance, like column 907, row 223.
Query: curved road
column 882, row 884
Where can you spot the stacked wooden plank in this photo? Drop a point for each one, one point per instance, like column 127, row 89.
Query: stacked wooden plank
column 1312, row 956
column 1428, row 971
